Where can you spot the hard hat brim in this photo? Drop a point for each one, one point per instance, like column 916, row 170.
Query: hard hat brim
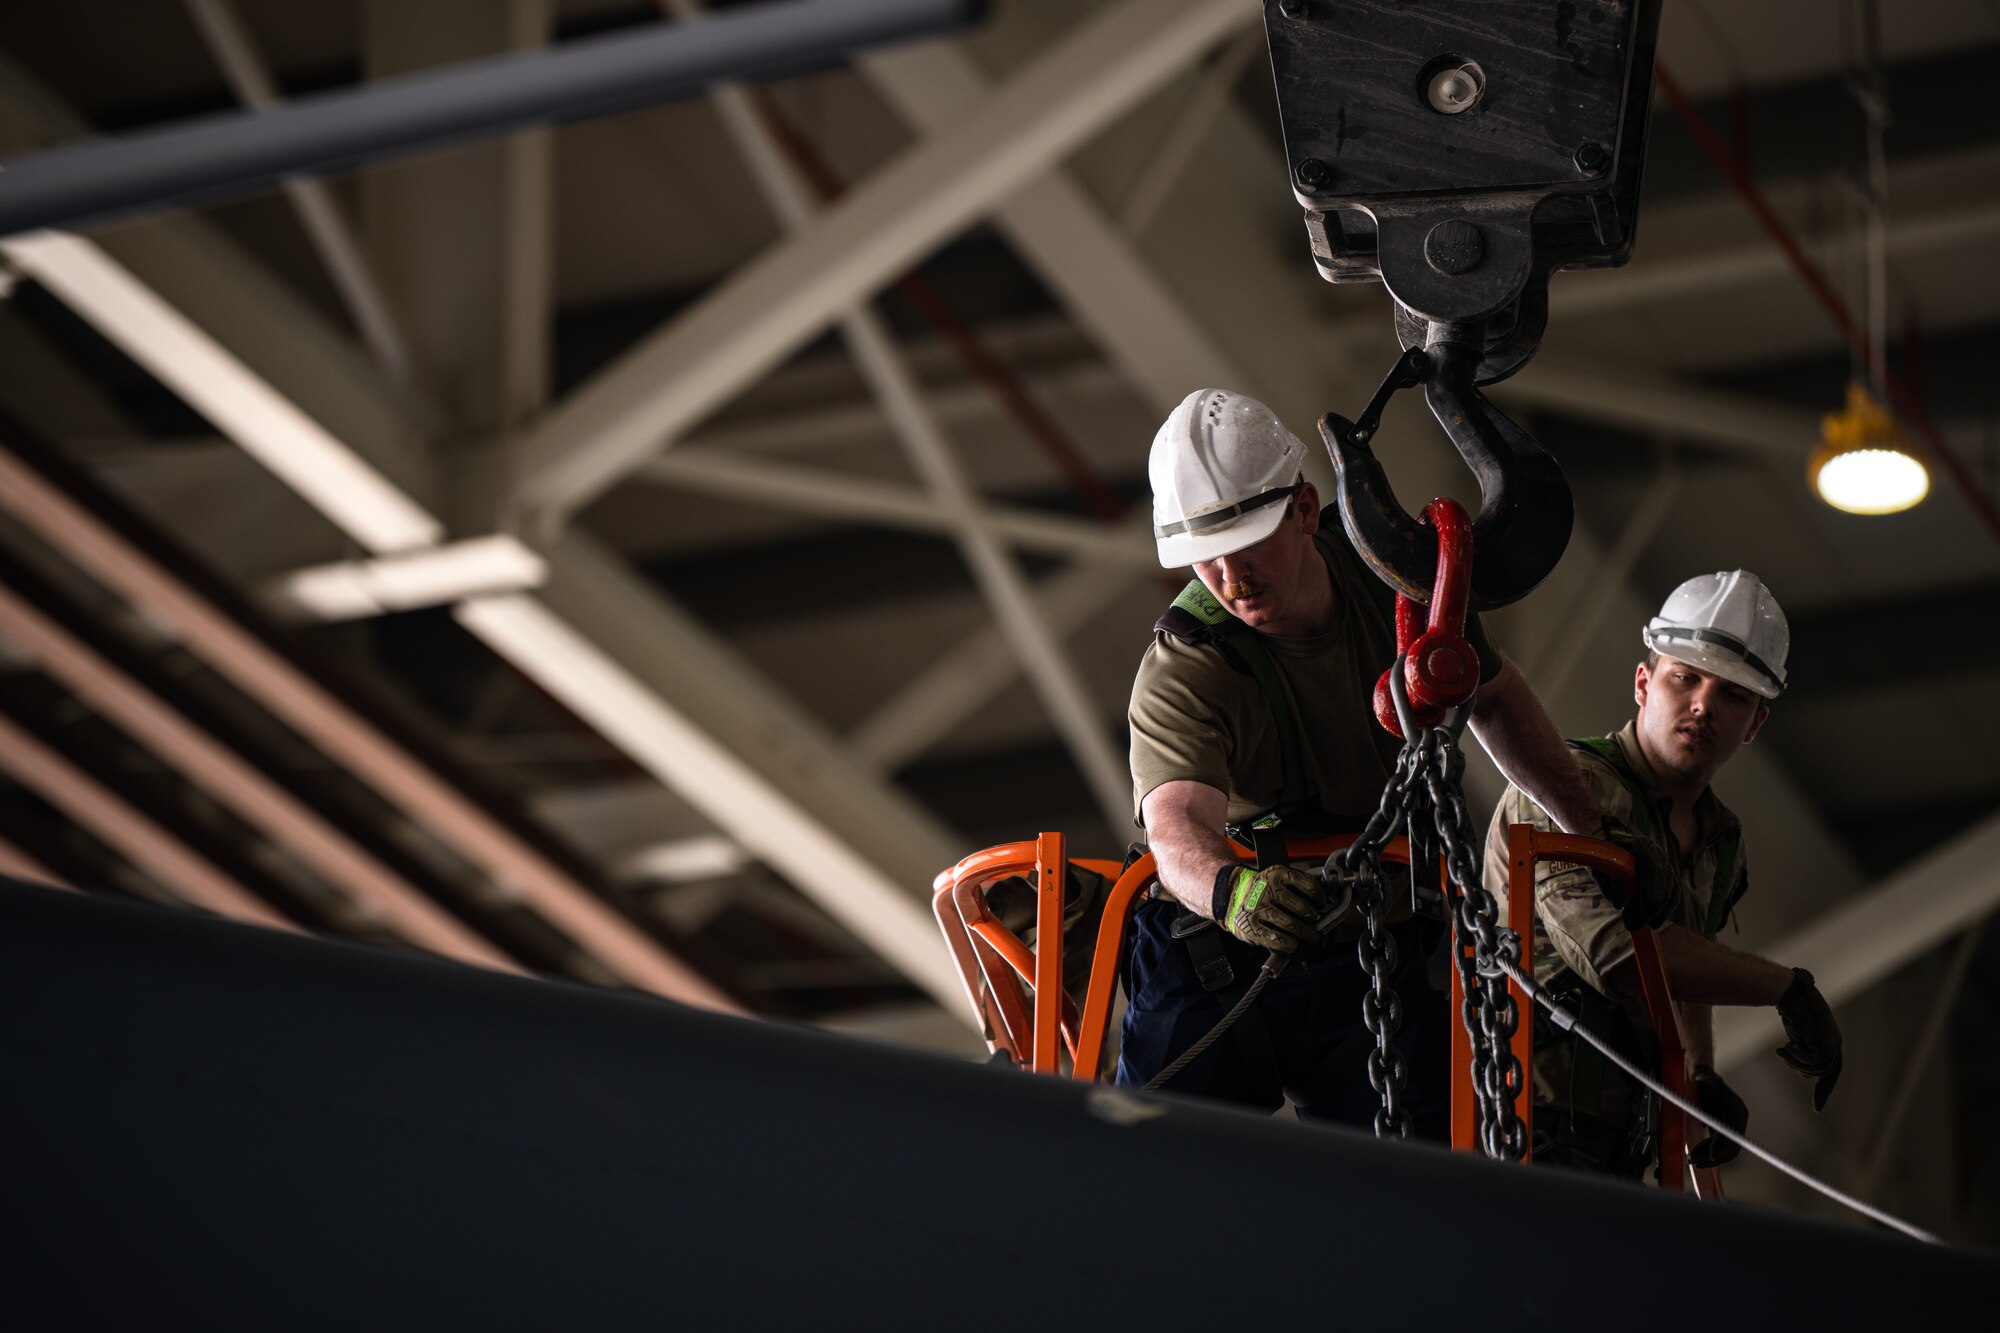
column 1187, row 548
column 1716, row 662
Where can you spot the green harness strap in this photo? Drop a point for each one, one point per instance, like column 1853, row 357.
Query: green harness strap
column 1196, row 616
column 1246, row 651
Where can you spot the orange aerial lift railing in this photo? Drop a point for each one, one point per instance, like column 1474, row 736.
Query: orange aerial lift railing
column 1003, row 975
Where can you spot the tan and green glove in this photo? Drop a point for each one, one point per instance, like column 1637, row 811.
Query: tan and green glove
column 1275, row 908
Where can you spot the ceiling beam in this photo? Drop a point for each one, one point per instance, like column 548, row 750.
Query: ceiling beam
column 610, row 426
column 123, row 557
column 1859, row 942
column 822, row 491
column 432, row 576
column 1040, row 651
column 325, row 223
column 35, row 625
column 199, row 159
column 838, row 831
column 680, row 703
column 1140, row 320
column 152, row 849
column 241, row 404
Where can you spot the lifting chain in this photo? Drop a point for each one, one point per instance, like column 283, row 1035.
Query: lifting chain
column 1425, row 796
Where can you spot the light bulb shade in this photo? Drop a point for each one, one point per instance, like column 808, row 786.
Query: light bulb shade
column 1869, row 481
column 1862, row 465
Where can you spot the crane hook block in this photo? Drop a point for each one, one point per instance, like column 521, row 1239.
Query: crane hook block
column 1461, row 160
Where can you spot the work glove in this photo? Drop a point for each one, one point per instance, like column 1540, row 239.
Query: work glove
column 1276, row 908
column 1812, row 1043
column 1718, row 1099
column 1650, row 900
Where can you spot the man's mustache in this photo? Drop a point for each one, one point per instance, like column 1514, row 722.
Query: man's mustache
column 1235, row 592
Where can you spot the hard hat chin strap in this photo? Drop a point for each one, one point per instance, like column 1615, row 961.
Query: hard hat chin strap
column 1225, row 515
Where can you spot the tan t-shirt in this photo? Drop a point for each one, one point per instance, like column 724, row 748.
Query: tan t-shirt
column 1195, row 717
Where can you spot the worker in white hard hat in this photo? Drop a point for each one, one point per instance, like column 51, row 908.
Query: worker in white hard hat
column 1715, row 659
column 1251, row 711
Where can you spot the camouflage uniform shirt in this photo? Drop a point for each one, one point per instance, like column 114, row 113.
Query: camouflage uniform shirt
column 1575, row 926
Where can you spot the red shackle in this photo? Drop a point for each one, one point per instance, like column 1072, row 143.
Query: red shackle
column 1440, row 668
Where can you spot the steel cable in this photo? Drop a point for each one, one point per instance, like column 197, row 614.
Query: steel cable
column 1569, row 1022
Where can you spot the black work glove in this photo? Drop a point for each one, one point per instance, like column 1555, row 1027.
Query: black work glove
column 1650, row 900
column 1812, row 1043
column 1718, row 1099
column 1276, row 908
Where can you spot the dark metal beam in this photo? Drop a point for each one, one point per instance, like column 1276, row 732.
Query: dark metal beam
column 103, row 178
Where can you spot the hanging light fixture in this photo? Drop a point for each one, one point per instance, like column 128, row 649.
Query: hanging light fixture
column 1863, row 464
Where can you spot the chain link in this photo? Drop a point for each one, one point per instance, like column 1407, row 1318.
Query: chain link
column 1427, row 781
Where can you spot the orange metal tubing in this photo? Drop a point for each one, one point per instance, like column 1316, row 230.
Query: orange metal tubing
column 1051, row 869
column 1527, row 845
column 1673, row 1059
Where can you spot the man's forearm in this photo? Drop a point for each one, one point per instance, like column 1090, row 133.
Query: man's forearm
column 1188, row 848
column 1515, row 730
column 1703, row 972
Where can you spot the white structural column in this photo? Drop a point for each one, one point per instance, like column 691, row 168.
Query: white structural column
column 659, row 685
column 229, row 41
column 1871, row 935
column 612, row 425
column 1040, row 651
column 138, row 839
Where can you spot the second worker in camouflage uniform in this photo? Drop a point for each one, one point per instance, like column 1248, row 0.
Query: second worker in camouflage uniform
column 1715, row 656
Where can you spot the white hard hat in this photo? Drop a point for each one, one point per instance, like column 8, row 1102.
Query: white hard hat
column 1222, row 466
column 1728, row 624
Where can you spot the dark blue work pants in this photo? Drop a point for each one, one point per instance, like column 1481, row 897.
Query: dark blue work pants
column 1308, row 1013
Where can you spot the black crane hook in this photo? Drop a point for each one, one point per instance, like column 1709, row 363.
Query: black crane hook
column 1525, row 510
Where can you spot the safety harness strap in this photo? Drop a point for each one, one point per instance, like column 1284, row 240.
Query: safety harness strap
column 1204, row 941
column 1196, row 617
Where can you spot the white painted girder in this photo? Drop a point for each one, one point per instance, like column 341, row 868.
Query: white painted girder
column 1140, row 320
column 680, row 703
column 223, row 31
column 932, row 455
column 811, row 490
column 656, row 392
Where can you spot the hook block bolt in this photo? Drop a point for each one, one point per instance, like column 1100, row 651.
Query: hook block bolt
column 1454, row 246
column 1591, row 159
column 1313, row 174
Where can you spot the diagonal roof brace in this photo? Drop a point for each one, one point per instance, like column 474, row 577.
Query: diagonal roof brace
column 673, row 379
